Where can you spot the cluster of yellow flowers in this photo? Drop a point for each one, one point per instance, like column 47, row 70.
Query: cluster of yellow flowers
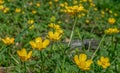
column 2, row 7
column 22, row 54
column 72, row 10
column 85, row 64
column 112, row 31
column 5, row 9
column 77, row 8
column 38, row 43
column 55, row 35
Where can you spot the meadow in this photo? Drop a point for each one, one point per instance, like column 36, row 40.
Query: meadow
column 59, row 36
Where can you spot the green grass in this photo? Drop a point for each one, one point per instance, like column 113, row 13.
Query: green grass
column 58, row 56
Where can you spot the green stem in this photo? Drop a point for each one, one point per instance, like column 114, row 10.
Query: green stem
column 98, row 47
column 42, row 64
column 72, row 32
column 112, row 40
column 63, row 65
column 25, row 70
column 113, row 47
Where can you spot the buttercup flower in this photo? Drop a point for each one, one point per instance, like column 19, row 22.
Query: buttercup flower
column 104, row 62
column 39, row 43
column 82, row 61
column 34, row 11
column 87, row 21
column 112, row 31
column 54, row 36
column 6, row 9
column 55, row 26
column 55, row 0
column 38, row 4
column 8, row 40
column 30, row 21
column 17, row 10
column 23, row 54
column 31, row 27
column 1, row 1
column 1, row 7
column 111, row 20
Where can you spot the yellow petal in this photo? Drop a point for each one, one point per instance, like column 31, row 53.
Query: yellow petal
column 29, row 54
column 108, row 64
column 38, row 39
column 19, row 53
column 23, row 52
column 50, row 33
column 82, row 57
column 88, row 63
column 76, row 59
column 106, row 59
column 99, row 62
column 102, row 59
column 32, row 43
column 4, row 41
column 46, row 43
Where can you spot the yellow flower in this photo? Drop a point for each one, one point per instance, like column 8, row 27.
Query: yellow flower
column 17, row 10
column 55, row 0
column 1, row 7
column 31, row 27
column 81, row 61
column 1, row 1
column 54, row 36
column 50, row 2
column 90, row 1
column 92, row 5
column 8, row 40
column 102, row 12
column 38, row 4
column 110, row 11
column 39, row 43
column 34, row 11
column 75, row 2
column 61, row 5
column 96, row 9
column 30, row 21
column 111, row 20
column 83, row 14
column 87, row 21
column 55, row 26
column 104, row 62
column 84, row 0
column 115, row 14
column 59, row 31
column 31, row 3
column 6, row 9
column 112, row 31
column 23, row 54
